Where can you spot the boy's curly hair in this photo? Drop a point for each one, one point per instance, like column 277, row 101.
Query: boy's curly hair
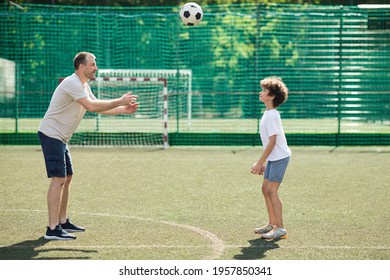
column 276, row 88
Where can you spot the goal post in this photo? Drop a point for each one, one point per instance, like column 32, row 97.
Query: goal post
column 179, row 81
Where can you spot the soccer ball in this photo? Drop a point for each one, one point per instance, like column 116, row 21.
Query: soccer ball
column 191, row 14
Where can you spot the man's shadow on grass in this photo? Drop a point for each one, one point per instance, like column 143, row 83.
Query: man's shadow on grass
column 257, row 249
column 27, row 250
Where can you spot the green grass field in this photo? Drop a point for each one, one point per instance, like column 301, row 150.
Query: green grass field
column 199, row 203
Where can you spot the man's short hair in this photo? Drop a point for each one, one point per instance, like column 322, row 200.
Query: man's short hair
column 81, row 58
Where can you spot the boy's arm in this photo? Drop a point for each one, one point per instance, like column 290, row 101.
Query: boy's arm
column 259, row 166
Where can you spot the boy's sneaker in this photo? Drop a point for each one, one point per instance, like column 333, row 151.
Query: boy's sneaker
column 264, row 229
column 276, row 233
column 69, row 227
column 58, row 234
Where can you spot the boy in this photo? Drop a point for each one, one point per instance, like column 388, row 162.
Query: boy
column 275, row 157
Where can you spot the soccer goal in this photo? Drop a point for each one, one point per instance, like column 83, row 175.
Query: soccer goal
column 179, row 82
column 149, row 125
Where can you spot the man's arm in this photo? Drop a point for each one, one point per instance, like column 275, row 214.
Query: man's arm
column 99, row 106
column 128, row 109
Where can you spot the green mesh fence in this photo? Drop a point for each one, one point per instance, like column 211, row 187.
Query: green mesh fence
column 335, row 61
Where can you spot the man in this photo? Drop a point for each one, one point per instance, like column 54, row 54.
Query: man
column 71, row 99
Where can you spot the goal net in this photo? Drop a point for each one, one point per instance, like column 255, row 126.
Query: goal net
column 149, row 125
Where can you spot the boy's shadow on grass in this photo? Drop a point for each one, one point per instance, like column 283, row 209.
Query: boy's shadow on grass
column 27, row 250
column 257, row 249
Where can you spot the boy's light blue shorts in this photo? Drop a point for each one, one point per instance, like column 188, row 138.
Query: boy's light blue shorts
column 275, row 170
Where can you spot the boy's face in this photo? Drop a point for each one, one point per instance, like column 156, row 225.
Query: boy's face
column 264, row 96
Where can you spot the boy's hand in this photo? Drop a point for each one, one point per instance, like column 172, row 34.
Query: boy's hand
column 258, row 168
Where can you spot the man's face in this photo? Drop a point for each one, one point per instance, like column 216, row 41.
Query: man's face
column 90, row 68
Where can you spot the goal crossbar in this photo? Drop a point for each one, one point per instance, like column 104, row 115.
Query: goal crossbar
column 132, row 79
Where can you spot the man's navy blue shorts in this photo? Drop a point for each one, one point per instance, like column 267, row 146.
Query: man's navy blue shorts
column 57, row 156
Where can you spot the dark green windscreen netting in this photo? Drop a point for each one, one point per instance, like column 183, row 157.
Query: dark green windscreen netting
column 335, row 61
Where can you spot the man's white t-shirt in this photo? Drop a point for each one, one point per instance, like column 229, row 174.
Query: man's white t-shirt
column 271, row 124
column 64, row 113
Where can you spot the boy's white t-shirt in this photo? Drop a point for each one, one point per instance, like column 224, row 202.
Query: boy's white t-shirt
column 271, row 124
column 64, row 113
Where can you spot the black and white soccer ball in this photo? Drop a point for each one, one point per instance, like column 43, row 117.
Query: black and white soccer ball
column 191, row 14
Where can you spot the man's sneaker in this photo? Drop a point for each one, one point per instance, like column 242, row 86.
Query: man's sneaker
column 58, row 234
column 69, row 227
column 264, row 229
column 276, row 233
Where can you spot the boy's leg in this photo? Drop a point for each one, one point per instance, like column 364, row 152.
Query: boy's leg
column 275, row 177
column 272, row 190
column 268, row 202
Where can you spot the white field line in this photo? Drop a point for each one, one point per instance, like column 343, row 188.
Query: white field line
column 217, row 244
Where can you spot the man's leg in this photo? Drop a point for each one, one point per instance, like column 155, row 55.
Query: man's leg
column 54, row 231
column 65, row 223
column 54, row 200
column 63, row 209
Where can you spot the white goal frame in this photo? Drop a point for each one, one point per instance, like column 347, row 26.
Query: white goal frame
column 164, row 81
column 185, row 74
column 149, row 75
